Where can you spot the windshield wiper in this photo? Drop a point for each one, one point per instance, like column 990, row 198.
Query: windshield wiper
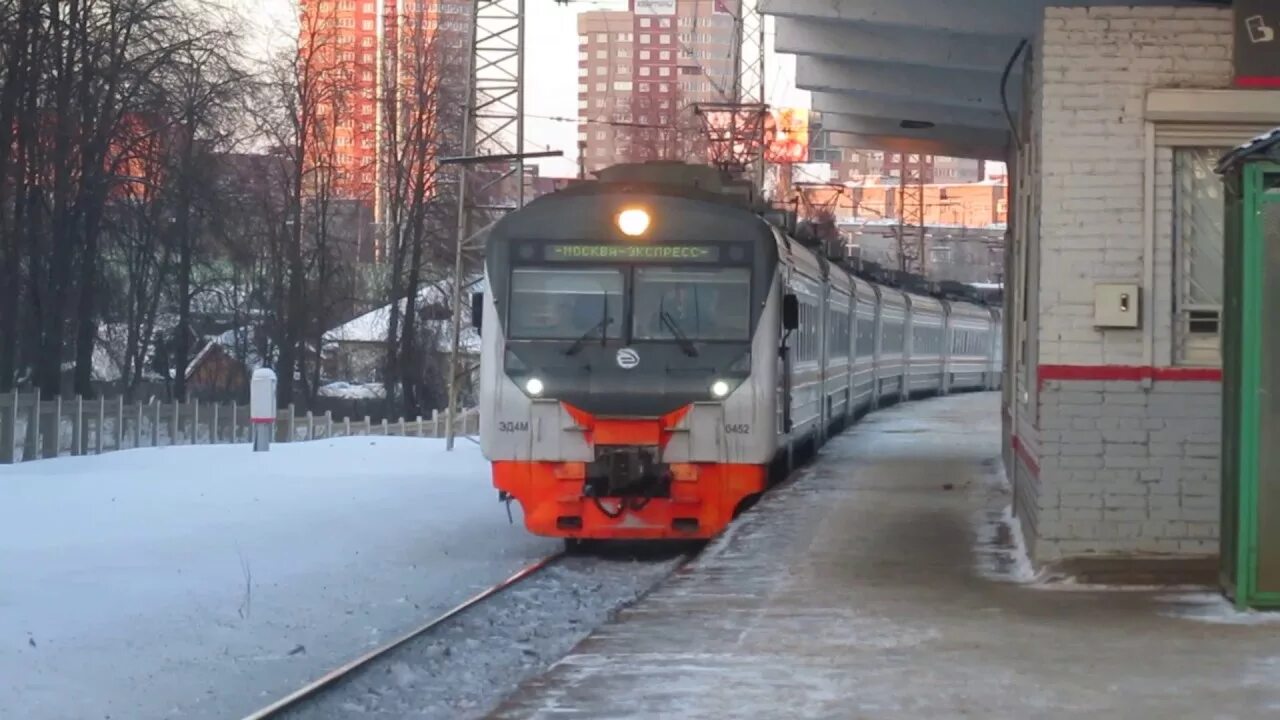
column 685, row 344
column 600, row 327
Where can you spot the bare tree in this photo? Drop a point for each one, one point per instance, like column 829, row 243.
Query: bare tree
column 199, row 84
column 421, row 120
column 138, row 251
column 21, row 45
column 80, row 85
column 304, row 100
column 661, row 128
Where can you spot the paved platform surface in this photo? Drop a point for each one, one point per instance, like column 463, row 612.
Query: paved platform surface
column 865, row 589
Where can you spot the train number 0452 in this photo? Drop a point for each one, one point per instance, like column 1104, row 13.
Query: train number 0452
column 737, row 429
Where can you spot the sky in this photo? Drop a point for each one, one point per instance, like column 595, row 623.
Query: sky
column 551, row 69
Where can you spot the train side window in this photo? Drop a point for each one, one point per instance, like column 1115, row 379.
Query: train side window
column 866, row 336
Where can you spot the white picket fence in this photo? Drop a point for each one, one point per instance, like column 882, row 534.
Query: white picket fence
column 33, row 429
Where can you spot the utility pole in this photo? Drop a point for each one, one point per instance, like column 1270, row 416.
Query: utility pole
column 493, row 122
column 735, row 130
column 911, row 215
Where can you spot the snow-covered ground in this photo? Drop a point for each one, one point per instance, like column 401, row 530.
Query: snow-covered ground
column 204, row 581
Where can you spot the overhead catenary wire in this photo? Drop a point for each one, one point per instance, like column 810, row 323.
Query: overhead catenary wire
column 609, row 123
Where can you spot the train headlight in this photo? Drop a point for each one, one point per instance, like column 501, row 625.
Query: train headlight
column 720, row 388
column 633, row 222
column 534, row 386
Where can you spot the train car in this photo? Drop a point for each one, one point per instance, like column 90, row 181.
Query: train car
column 891, row 346
column 925, row 346
column 865, row 309
column 970, row 331
column 654, row 353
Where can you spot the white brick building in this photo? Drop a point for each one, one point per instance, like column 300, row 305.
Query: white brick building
column 1120, row 114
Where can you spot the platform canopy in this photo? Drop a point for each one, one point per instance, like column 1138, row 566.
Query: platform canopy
column 916, row 75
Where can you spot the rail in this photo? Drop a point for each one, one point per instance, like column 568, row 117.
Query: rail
column 310, row 690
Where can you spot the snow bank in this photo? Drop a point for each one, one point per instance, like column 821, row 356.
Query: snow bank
column 353, row 391
column 1000, row 551
column 199, row 581
column 1210, row 607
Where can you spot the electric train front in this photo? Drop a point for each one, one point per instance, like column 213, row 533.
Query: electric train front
column 628, row 364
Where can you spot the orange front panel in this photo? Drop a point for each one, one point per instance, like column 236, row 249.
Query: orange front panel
column 550, row 495
column 626, row 432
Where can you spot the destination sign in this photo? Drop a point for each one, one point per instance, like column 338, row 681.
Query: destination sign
column 633, row 253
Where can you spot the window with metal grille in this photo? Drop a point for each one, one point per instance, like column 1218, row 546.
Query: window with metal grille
column 1198, row 230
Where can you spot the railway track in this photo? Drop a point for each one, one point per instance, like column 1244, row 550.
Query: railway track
column 303, row 695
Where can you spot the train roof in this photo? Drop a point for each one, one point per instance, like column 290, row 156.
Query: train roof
column 698, row 207
column 669, row 178
column 715, row 198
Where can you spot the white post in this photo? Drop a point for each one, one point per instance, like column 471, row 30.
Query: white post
column 213, row 426
column 235, row 420
column 262, row 408
column 328, row 424
column 311, row 426
column 347, row 430
column 292, row 419
column 435, row 423
column 402, row 432
column 195, row 421
column 368, row 426
column 137, row 428
column 155, row 425
column 420, row 428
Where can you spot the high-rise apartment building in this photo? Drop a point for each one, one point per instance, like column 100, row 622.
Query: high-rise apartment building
column 642, row 71
column 361, row 56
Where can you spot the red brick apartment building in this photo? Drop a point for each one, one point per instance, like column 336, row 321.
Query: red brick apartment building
column 641, row 70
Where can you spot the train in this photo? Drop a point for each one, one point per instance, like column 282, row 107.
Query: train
column 658, row 348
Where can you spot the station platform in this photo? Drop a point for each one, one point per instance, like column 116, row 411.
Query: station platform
column 880, row 584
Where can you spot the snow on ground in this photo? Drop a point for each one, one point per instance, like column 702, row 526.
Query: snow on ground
column 1000, row 552
column 353, row 391
column 1212, row 607
column 204, row 581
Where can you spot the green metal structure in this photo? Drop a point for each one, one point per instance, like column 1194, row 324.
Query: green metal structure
column 1250, row 539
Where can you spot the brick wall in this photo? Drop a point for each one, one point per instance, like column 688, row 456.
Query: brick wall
column 1128, row 469
column 1127, row 456
column 1098, row 64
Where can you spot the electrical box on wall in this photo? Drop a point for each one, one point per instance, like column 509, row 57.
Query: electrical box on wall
column 1117, row 305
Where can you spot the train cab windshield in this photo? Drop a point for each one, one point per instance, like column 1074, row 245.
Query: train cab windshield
column 701, row 304
column 566, row 304
column 651, row 304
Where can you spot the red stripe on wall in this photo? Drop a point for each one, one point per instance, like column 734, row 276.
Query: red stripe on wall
column 1027, row 459
column 1127, row 372
column 1258, row 81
